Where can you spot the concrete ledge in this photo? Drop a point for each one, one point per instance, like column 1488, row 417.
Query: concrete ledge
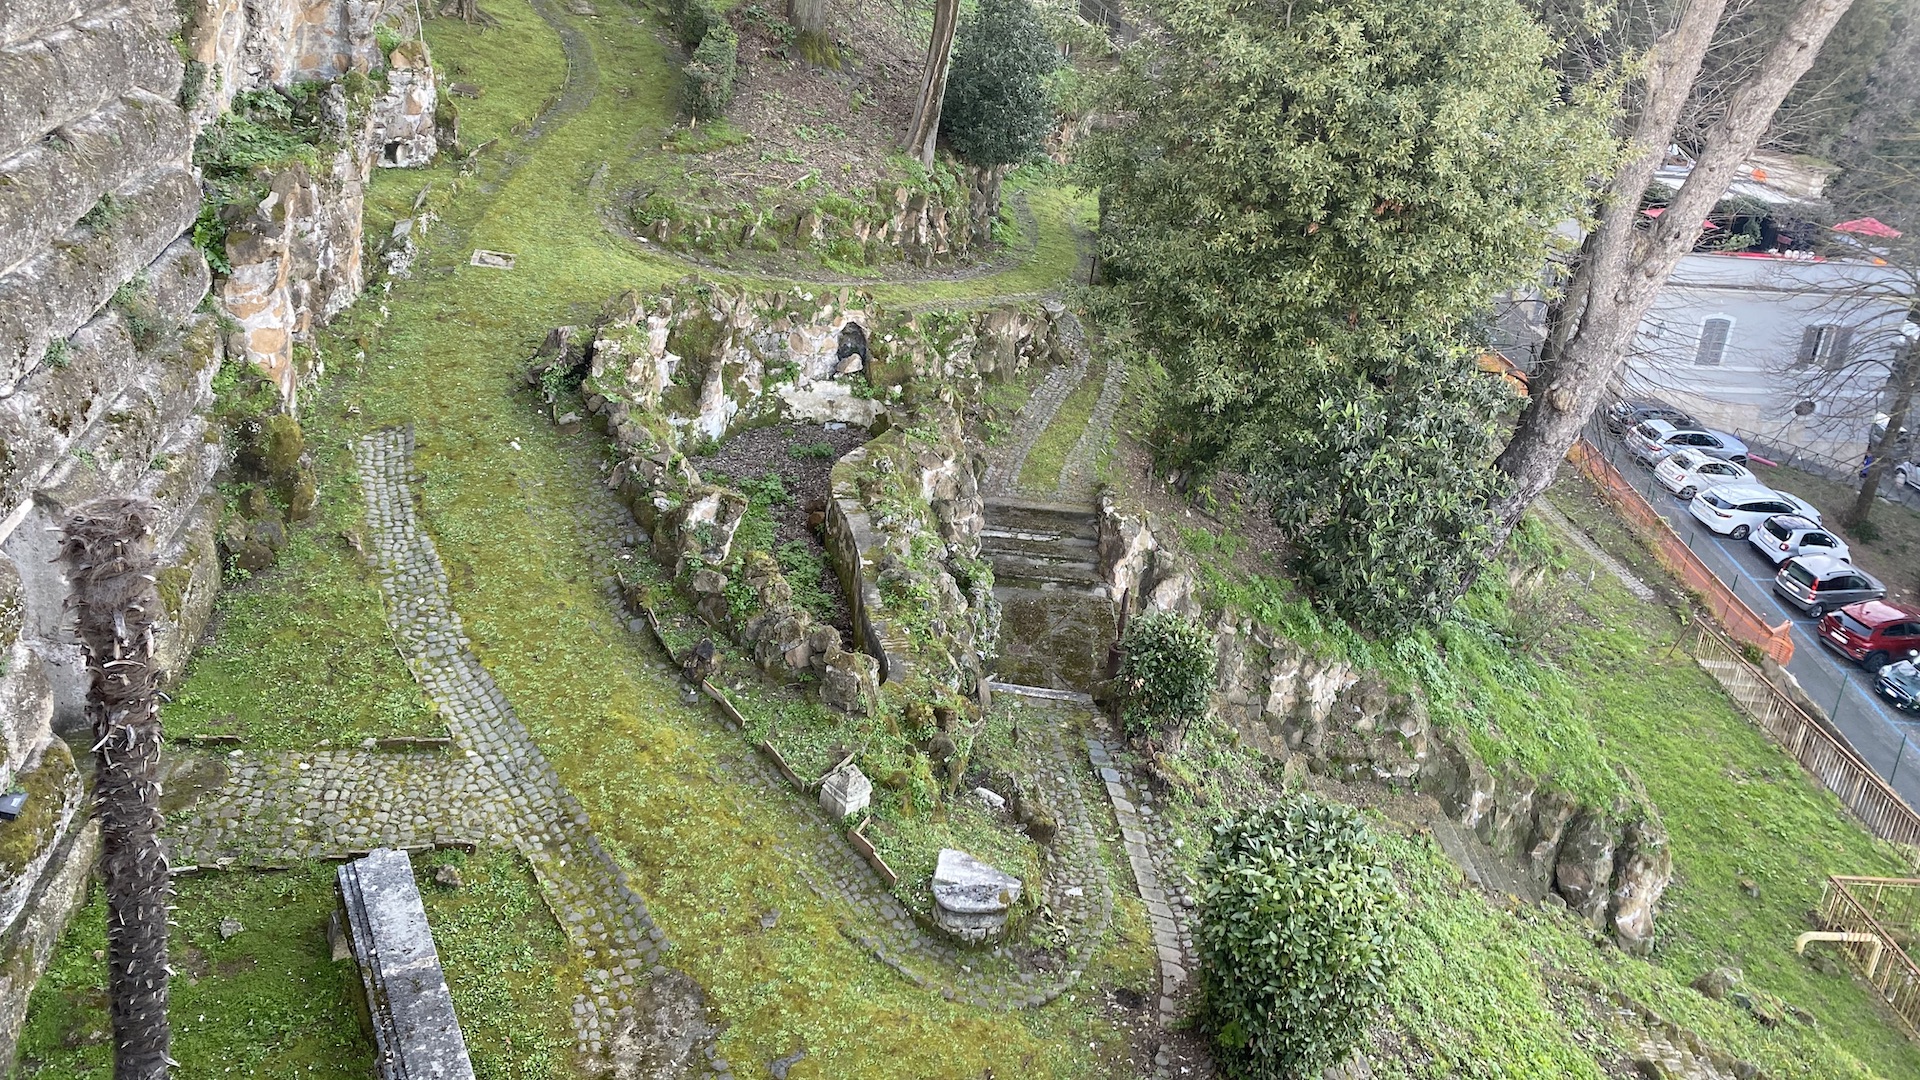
column 415, row 1031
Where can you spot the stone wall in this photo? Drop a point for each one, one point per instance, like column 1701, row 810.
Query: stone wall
column 106, row 367
column 903, row 527
column 1609, row 864
column 108, row 354
column 890, row 222
column 673, row 372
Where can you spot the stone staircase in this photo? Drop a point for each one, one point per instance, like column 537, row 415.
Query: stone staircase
column 1483, row 868
column 1056, row 617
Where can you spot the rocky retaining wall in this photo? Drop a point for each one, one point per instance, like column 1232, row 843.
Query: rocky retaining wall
column 1610, row 864
column 892, row 222
column 686, row 369
column 903, row 527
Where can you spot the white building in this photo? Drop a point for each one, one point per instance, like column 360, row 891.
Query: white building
column 1793, row 351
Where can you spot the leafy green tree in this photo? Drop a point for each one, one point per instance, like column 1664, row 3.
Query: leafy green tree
column 1383, row 482
column 1297, row 938
column 998, row 109
column 1166, row 675
column 1298, row 184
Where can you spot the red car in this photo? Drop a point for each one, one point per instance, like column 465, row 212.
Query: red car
column 1872, row 632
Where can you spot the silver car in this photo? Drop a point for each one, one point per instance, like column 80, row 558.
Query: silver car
column 1652, row 440
column 1737, row 509
column 1817, row 584
column 1787, row 536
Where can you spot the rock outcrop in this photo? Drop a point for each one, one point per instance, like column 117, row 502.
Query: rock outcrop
column 1609, row 864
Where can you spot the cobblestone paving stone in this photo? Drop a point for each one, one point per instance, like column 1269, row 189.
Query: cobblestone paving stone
column 605, row 920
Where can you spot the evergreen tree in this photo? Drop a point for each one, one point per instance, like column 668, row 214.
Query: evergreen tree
column 998, row 110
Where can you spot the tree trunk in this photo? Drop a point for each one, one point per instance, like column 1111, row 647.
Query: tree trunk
column 925, row 129
column 1889, row 443
column 108, row 549
column 1624, row 268
column 807, row 16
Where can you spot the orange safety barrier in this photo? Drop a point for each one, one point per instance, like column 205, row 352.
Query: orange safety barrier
column 1742, row 622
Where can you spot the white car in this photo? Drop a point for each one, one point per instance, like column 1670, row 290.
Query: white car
column 1687, row 473
column 1786, row 536
column 1908, row 473
column 1737, row 509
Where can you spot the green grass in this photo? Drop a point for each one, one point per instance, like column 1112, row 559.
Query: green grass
column 267, row 1002
column 311, row 629
column 270, row 1001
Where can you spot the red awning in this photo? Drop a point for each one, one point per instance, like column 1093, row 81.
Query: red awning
column 1867, row 226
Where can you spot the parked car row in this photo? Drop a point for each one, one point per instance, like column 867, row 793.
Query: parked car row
column 1814, row 569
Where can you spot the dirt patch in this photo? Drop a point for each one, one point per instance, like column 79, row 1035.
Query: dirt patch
column 801, row 456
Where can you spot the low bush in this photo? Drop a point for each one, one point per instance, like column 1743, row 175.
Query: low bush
column 693, row 20
column 1299, row 916
column 1166, row 674
column 710, row 73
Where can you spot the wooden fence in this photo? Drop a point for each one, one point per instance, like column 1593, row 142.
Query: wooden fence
column 1883, row 909
column 1741, row 621
column 1825, row 755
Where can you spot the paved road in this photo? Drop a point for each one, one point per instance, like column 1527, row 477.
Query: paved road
column 1880, row 733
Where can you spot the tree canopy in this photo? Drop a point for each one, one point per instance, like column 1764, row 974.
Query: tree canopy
column 997, row 110
column 1301, row 208
column 1294, row 186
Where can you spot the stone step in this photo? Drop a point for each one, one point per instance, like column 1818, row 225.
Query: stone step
column 1005, row 588
column 996, row 541
column 1042, row 518
column 1010, row 568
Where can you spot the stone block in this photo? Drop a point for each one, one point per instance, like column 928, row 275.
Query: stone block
column 971, row 899
column 415, row 1029
column 846, row 791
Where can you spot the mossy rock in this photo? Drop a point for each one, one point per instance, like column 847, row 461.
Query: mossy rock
column 281, row 444
column 47, row 789
column 172, row 583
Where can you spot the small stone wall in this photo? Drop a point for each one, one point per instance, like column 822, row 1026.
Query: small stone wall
column 1610, row 864
column 892, row 221
column 695, row 365
column 904, row 522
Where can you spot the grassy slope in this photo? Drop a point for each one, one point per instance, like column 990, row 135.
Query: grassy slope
column 1601, row 701
column 448, row 360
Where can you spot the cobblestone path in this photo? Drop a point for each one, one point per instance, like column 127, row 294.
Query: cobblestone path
column 277, row 808
column 626, row 986
column 1005, row 461
column 1079, row 475
column 1164, row 888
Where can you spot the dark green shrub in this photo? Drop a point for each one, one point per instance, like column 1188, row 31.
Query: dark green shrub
column 997, row 110
column 1296, row 938
column 710, row 73
column 693, row 20
column 1166, row 675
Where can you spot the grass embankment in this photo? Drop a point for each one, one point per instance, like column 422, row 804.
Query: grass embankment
column 270, row 1001
column 1571, row 677
column 508, row 524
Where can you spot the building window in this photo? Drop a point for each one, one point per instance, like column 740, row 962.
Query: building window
column 1826, row 345
column 1713, row 341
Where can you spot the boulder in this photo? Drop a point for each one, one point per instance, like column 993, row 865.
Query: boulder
column 1643, row 867
column 1583, row 873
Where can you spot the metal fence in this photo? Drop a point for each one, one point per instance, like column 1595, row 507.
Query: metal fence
column 1671, row 549
column 1824, row 754
column 1882, row 912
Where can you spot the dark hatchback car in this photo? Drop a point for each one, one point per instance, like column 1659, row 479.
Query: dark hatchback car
column 1872, row 633
column 1622, row 415
column 1900, row 684
column 1817, row 584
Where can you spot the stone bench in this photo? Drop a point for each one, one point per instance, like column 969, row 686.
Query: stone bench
column 415, row 1033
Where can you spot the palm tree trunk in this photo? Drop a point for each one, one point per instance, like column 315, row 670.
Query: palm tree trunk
column 109, row 554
